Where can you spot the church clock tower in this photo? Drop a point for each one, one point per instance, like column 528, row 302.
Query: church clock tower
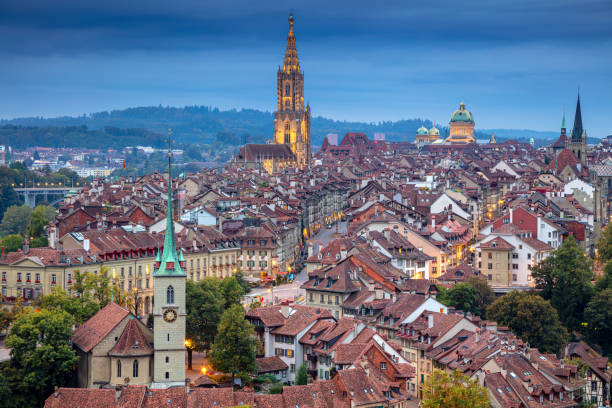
column 292, row 119
column 169, row 310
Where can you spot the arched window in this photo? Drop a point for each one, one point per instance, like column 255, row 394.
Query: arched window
column 135, row 369
column 287, row 105
column 287, row 89
column 118, row 368
column 170, row 295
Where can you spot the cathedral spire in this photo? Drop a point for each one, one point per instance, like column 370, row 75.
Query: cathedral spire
column 169, row 263
column 578, row 130
column 291, row 62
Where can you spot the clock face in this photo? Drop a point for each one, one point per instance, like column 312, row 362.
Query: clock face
column 170, row 315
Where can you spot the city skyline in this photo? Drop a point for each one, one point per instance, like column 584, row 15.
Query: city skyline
column 515, row 65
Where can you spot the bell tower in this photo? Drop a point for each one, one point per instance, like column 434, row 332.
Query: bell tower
column 169, row 311
column 292, row 119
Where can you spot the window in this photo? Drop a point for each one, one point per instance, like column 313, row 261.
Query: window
column 490, row 255
column 170, row 295
column 167, row 375
column 167, row 359
column 135, row 369
column 514, row 266
column 490, row 266
column 287, row 89
column 514, row 255
column 122, row 272
column 310, row 296
column 139, row 270
column 28, row 276
column 337, row 300
column 322, row 298
column 118, row 368
column 19, row 276
column 3, row 276
column 293, row 368
column 528, row 256
column 514, row 277
column 383, row 366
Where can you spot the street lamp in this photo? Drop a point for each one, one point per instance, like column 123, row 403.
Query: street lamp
column 189, row 347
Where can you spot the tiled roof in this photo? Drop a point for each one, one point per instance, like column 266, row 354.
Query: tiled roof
column 132, row 342
column 94, row 330
column 269, row 364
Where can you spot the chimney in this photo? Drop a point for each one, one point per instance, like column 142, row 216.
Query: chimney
column 26, row 245
column 430, row 320
column 310, row 249
column 221, row 218
column 433, row 222
column 86, row 244
column 285, row 310
column 387, row 233
column 378, row 292
column 3, row 254
column 343, row 252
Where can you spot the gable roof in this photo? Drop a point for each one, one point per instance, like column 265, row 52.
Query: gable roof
column 93, row 331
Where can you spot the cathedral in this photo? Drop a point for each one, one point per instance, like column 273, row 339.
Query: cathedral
column 290, row 145
column 292, row 119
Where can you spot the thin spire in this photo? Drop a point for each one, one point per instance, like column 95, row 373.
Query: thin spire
column 291, row 62
column 563, row 121
column 169, row 263
column 578, row 130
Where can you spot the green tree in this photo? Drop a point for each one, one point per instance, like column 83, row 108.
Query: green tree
column 462, row 296
column 41, row 355
column 243, row 283
column 39, row 242
column 15, row 221
column 80, row 307
column 39, row 218
column 484, row 293
column 8, row 197
column 531, row 318
column 234, row 348
column 204, row 305
column 301, row 377
column 598, row 316
column 231, row 290
column 604, row 245
column 565, row 279
column 12, row 243
column 456, row 390
column 605, row 281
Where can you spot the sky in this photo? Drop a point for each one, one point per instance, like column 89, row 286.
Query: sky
column 517, row 64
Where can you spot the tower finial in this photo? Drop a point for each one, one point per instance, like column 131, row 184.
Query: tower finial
column 291, row 62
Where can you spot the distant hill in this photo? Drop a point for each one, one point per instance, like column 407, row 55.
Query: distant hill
column 203, row 124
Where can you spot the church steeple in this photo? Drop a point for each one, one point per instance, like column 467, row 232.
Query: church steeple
column 169, row 263
column 578, row 130
column 291, row 62
column 563, row 127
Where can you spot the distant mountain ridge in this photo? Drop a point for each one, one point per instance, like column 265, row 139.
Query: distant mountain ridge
column 202, row 124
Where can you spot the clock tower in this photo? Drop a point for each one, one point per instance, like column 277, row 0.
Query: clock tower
column 169, row 310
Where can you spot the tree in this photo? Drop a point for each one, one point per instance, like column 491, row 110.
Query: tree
column 204, row 305
column 231, row 290
column 598, row 316
column 8, row 197
column 80, row 307
column 12, row 243
column 39, row 218
column 456, row 390
column 301, row 377
column 234, row 348
column 605, row 282
column 484, row 293
column 565, row 279
column 41, row 355
column 531, row 318
column 604, row 246
column 240, row 278
column 15, row 220
column 462, row 296
column 39, row 242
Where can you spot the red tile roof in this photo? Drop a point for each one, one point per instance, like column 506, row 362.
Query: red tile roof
column 132, row 342
column 94, row 330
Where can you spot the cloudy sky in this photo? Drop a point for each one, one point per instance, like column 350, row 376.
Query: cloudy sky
column 516, row 63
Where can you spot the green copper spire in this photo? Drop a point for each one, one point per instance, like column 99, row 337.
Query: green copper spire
column 169, row 263
column 563, row 121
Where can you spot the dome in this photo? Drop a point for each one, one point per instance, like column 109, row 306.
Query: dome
column 434, row 131
column 462, row 114
column 422, row 130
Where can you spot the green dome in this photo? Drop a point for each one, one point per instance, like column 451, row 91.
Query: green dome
column 434, row 131
column 422, row 130
column 462, row 115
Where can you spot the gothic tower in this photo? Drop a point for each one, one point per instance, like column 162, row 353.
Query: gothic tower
column 169, row 310
column 292, row 119
column 578, row 138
